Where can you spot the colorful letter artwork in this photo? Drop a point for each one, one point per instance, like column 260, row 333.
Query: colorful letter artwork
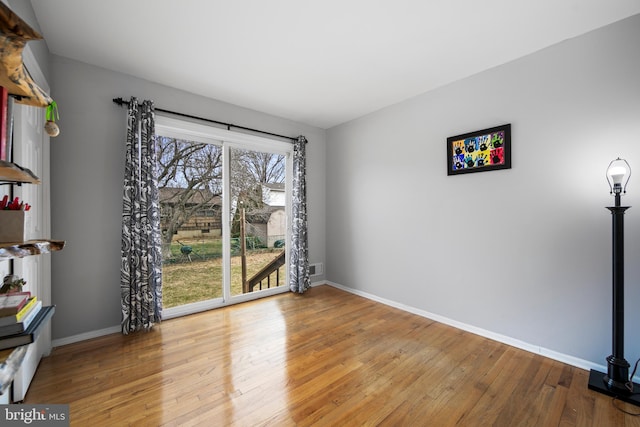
column 482, row 150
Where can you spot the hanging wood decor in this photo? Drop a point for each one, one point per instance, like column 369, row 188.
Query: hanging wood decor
column 14, row 35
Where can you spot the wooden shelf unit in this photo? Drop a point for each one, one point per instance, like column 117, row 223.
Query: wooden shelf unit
column 18, row 365
column 13, row 360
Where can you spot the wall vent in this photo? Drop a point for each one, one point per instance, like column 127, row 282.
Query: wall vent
column 316, row 269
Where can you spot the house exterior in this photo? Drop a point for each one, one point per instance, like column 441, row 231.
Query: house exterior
column 273, row 195
column 205, row 221
column 267, row 223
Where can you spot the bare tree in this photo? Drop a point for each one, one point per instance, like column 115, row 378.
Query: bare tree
column 190, row 179
column 265, row 167
column 250, row 169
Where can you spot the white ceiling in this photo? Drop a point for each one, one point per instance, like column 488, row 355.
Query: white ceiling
column 320, row 62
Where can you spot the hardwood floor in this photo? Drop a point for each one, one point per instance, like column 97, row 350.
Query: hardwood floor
column 326, row 358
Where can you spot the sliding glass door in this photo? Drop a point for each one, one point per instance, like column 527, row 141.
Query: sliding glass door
column 224, row 199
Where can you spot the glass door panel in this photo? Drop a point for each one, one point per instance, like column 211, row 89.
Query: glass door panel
column 257, row 220
column 190, row 186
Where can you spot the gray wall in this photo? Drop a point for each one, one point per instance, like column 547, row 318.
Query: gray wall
column 86, row 184
column 524, row 253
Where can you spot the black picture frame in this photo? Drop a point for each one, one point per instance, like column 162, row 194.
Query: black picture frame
column 480, row 151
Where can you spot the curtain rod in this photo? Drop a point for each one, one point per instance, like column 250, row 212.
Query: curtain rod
column 122, row 102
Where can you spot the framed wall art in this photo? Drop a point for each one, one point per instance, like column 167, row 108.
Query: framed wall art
column 479, row 151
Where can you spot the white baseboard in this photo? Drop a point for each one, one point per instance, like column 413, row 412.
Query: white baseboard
column 532, row 348
column 85, row 336
column 321, row 282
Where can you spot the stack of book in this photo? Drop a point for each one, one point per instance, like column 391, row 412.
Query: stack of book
column 20, row 318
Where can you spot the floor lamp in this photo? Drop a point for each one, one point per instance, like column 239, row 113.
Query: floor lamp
column 616, row 381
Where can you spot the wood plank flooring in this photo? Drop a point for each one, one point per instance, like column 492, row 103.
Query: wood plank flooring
column 325, row 358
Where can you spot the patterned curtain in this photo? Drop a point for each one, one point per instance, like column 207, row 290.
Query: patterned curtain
column 299, row 254
column 141, row 270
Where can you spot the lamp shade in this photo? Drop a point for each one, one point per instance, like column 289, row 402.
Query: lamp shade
column 618, row 174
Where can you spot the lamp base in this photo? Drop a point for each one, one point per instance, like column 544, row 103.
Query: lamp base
column 597, row 383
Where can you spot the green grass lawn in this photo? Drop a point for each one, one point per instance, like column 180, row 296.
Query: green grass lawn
column 201, row 249
column 208, row 248
column 185, row 282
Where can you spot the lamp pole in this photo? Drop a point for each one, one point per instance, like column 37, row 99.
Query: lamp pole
column 617, row 367
column 616, row 381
